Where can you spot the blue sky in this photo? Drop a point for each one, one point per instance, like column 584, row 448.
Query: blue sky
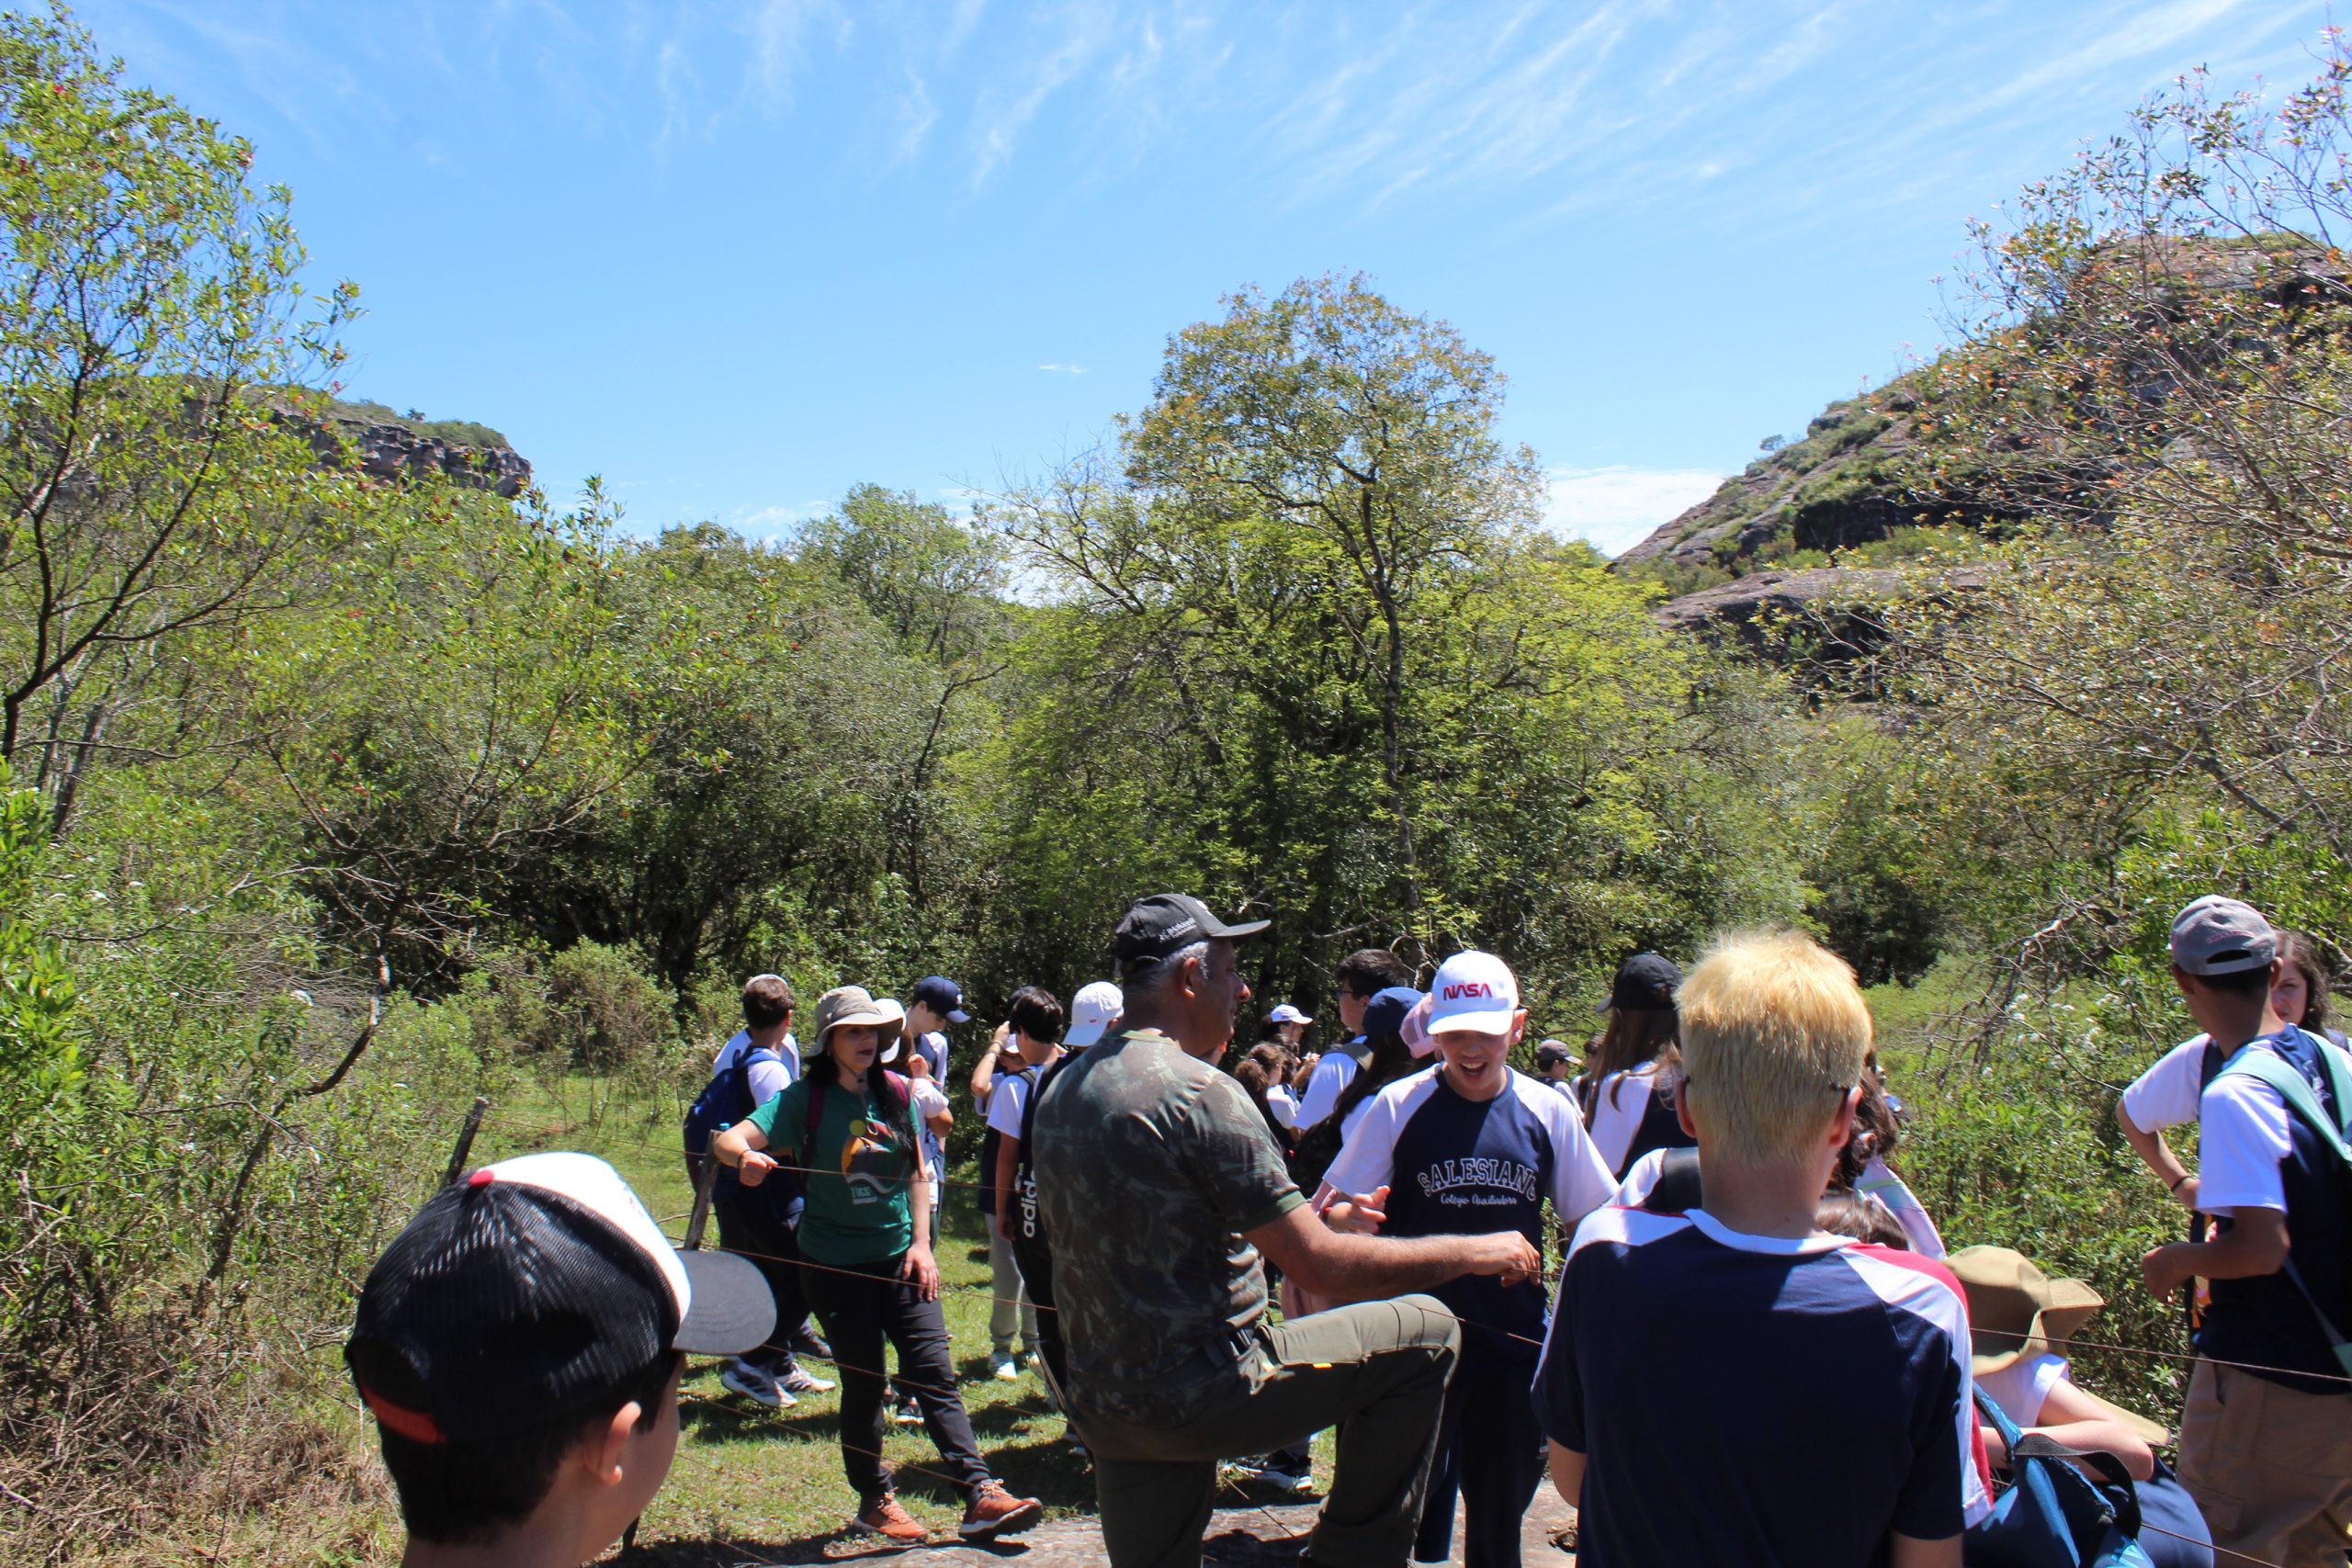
column 736, row 258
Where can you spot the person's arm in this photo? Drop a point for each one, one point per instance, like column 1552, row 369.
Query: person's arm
column 1008, row 1161
column 1908, row 1551
column 1360, row 1268
column 1567, row 1474
column 740, row 1146
column 2158, row 1156
column 2070, row 1418
column 920, row 1270
column 2254, row 1244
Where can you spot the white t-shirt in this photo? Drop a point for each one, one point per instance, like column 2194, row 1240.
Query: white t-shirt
column 1877, row 1180
column 1879, row 1183
column 2246, row 1137
column 767, row 1079
column 1332, row 1075
column 1618, row 1107
column 1008, row 1100
column 1283, row 1104
column 2165, row 1095
column 2023, row 1386
column 928, row 1100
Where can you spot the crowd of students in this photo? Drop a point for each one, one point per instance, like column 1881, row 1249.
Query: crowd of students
column 1758, row 1349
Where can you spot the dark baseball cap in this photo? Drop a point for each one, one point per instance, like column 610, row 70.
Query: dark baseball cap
column 1646, row 983
column 944, row 997
column 1551, row 1053
column 1385, row 1014
column 1171, row 923
column 529, row 1290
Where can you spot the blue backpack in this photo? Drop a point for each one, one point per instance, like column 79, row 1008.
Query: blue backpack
column 724, row 1100
column 2054, row 1516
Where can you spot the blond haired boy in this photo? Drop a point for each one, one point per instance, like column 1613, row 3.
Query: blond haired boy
column 1686, row 1347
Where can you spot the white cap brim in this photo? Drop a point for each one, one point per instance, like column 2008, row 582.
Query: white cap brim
column 729, row 1308
column 1484, row 1022
column 1085, row 1034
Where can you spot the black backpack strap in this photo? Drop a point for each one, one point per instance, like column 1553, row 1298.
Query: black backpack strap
column 1677, row 1190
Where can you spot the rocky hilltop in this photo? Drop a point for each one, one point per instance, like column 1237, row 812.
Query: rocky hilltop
column 388, row 445
column 1812, row 525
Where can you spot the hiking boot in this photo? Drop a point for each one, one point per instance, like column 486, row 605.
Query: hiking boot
column 993, row 1512
column 883, row 1515
column 798, row 1379
column 754, row 1384
column 1280, row 1472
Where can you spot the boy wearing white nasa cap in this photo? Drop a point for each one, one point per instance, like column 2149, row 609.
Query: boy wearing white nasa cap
column 1474, row 1148
column 519, row 1345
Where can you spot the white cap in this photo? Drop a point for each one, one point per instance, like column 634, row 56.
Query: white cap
column 725, row 1306
column 1285, row 1013
column 1474, row 991
column 1416, row 1032
column 1098, row 1002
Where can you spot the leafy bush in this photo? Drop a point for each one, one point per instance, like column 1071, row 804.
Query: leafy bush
column 603, row 1013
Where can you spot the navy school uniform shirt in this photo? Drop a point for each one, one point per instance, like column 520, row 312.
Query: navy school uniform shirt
column 2253, row 1153
column 1456, row 1167
column 1752, row 1400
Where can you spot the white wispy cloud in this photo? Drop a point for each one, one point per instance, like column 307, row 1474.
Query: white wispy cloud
column 1064, row 369
column 1616, row 507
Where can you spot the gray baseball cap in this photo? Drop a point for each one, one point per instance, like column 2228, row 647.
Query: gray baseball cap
column 2221, row 936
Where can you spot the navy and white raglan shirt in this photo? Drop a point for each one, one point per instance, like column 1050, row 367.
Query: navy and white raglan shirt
column 1746, row 1399
column 2253, row 1153
column 1458, row 1166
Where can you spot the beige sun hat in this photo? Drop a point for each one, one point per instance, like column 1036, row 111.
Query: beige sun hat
column 855, row 1004
column 2016, row 1311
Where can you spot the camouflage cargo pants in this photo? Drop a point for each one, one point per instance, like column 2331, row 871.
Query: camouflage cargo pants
column 1376, row 1370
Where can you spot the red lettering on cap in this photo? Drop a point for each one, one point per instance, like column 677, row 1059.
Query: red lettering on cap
column 1468, row 988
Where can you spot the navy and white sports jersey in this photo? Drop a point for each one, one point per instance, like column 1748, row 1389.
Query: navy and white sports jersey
column 1752, row 1400
column 1456, row 1167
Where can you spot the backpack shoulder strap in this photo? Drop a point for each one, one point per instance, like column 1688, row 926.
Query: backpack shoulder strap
column 2267, row 1067
column 1677, row 1190
column 815, row 1110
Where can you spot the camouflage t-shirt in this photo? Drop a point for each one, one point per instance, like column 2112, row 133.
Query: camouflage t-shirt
column 1150, row 1164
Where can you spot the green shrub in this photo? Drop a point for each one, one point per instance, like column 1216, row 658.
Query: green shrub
column 603, row 1013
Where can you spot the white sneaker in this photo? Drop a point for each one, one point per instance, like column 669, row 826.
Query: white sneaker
column 1006, row 1370
column 798, row 1379
column 754, row 1384
column 1279, row 1475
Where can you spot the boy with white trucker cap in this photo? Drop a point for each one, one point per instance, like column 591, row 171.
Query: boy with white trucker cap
column 1473, row 1149
column 519, row 1345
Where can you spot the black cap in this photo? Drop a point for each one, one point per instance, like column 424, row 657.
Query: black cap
column 1646, row 983
column 1171, row 923
column 529, row 1290
column 1552, row 1054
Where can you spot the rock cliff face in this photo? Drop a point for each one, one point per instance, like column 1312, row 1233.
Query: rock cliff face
column 1853, row 480
column 394, row 449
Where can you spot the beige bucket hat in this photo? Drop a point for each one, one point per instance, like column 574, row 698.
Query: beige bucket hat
column 2016, row 1311
column 854, row 1004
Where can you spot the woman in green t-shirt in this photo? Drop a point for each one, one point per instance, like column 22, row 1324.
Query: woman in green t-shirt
column 866, row 1250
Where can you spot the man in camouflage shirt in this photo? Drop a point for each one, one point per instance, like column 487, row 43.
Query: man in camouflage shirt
column 1159, row 1188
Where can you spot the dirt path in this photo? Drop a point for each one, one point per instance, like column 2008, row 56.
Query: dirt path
column 1242, row 1536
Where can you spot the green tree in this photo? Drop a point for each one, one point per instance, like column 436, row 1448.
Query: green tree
column 150, row 308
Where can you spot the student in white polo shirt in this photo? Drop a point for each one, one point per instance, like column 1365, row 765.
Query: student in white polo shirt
column 2265, row 1434
column 1471, row 1148
column 1361, row 975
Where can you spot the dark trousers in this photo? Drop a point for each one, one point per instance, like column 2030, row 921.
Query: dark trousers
column 859, row 1305
column 1037, row 1282
column 749, row 1224
column 1489, row 1448
column 1376, row 1369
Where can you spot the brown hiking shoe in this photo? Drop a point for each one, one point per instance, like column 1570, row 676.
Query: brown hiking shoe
column 884, row 1517
column 993, row 1511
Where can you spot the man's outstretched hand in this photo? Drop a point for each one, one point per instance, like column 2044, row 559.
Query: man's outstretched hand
column 1507, row 1255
